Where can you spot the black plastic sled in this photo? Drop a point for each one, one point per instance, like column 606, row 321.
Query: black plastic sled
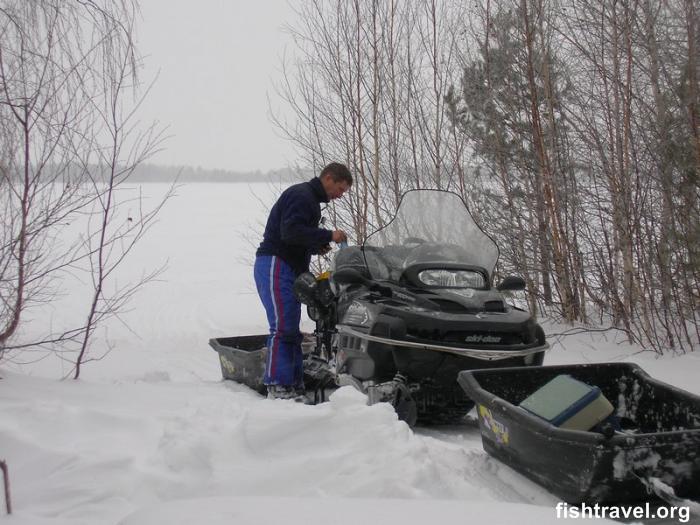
column 651, row 440
column 243, row 360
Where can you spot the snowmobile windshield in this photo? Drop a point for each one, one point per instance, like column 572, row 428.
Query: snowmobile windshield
column 433, row 230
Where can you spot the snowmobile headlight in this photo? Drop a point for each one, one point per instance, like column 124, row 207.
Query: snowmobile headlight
column 358, row 314
column 442, row 277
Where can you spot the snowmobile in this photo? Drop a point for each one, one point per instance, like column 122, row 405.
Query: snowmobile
column 400, row 316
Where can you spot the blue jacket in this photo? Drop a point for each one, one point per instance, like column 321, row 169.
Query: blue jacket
column 292, row 231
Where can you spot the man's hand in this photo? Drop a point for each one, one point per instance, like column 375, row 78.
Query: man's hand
column 339, row 236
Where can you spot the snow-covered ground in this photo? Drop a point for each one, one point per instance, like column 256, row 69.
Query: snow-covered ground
column 151, row 434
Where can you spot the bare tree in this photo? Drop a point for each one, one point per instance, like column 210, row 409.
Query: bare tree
column 627, row 114
column 6, row 486
column 68, row 100
column 367, row 85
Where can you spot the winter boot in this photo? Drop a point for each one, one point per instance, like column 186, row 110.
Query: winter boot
column 285, row 392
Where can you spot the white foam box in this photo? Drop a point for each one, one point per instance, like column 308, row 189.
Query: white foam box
column 569, row 403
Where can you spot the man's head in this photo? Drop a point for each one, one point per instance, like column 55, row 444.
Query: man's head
column 336, row 180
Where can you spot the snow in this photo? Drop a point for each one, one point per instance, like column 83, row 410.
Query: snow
column 150, row 434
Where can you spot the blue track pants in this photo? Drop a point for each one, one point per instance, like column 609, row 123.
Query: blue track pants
column 275, row 282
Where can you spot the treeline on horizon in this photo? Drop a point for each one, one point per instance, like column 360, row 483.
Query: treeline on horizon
column 145, row 172
column 159, row 173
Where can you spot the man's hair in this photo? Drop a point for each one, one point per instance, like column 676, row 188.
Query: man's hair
column 338, row 172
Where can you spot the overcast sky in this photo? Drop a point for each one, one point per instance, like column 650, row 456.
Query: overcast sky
column 215, row 61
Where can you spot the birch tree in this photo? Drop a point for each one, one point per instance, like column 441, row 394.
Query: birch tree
column 68, row 100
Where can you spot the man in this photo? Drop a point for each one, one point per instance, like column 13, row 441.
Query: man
column 292, row 236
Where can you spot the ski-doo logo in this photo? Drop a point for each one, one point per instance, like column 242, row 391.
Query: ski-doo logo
column 482, row 339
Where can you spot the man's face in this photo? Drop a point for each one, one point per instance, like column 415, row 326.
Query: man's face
column 334, row 189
